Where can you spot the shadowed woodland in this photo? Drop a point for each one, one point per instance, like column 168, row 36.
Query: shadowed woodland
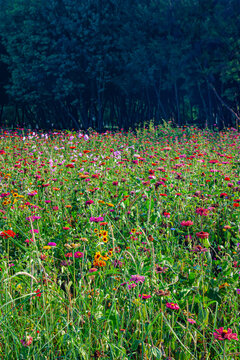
column 118, row 63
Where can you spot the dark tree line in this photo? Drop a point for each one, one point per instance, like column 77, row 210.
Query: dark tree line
column 98, row 63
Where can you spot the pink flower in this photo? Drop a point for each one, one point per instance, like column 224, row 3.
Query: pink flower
column 191, row 321
column 172, row 306
column 202, row 235
column 145, row 296
column 186, row 223
column 222, row 334
column 36, row 231
column 202, row 212
column 27, row 342
column 92, row 270
column 78, row 254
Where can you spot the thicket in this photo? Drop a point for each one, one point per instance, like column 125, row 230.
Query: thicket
column 100, row 63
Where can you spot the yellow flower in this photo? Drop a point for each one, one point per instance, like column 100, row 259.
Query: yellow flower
column 223, row 285
column 74, row 246
column 137, row 302
column 46, row 247
column 109, row 204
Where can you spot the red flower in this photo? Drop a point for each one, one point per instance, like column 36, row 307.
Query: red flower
column 8, row 233
column 69, row 255
column 38, row 292
column 202, row 235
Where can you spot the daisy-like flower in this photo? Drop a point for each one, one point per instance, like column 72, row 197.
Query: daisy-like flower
column 137, row 278
column 187, row 223
column 145, row 296
column 222, row 334
column 52, row 244
column 78, row 254
column 202, row 235
column 7, row 233
column 172, row 306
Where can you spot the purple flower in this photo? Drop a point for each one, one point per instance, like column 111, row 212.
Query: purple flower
column 86, row 137
column 137, row 279
column 52, row 244
column 96, row 219
column 131, row 286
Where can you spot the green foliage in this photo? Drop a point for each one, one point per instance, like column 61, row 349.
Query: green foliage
column 98, row 62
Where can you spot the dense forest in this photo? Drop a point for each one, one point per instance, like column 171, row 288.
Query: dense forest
column 118, row 63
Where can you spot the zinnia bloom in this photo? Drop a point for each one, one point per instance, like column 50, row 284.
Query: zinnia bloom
column 145, row 296
column 172, row 306
column 187, row 223
column 78, row 254
column 222, row 334
column 137, row 278
column 7, row 233
column 202, row 235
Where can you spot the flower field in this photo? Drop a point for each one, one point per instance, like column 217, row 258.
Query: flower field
column 120, row 245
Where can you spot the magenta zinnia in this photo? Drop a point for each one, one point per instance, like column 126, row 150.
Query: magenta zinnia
column 222, row 334
column 172, row 306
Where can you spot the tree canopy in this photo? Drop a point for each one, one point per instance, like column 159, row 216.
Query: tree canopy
column 96, row 63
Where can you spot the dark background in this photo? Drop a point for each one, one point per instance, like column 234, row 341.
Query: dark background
column 119, row 63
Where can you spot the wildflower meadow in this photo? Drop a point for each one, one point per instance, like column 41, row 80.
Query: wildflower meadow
column 120, row 245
